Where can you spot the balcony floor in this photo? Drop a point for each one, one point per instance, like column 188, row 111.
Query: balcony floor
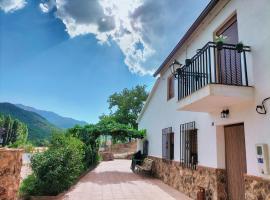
column 216, row 96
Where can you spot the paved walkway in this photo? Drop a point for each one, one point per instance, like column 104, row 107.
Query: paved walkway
column 113, row 180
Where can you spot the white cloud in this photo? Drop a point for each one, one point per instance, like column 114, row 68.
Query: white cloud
column 11, row 5
column 44, row 7
column 47, row 6
column 144, row 30
column 109, row 21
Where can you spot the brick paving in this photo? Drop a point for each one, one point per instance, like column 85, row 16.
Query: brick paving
column 113, row 180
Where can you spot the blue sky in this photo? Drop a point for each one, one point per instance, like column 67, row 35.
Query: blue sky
column 69, row 57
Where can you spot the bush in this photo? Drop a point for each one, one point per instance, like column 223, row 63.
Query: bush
column 29, row 186
column 91, row 143
column 91, row 156
column 56, row 169
column 28, row 146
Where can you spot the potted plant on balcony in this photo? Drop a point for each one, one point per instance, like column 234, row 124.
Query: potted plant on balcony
column 239, row 47
column 219, row 40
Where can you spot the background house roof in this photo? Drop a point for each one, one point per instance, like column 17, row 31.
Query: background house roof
column 193, row 27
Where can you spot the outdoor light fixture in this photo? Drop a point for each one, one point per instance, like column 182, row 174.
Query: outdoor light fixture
column 225, row 113
column 261, row 108
column 175, row 66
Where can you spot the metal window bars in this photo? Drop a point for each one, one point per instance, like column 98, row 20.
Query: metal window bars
column 188, row 145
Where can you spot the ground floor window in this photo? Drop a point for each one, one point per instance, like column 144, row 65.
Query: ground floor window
column 188, row 145
column 167, row 144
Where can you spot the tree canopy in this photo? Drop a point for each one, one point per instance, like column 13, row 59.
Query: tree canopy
column 106, row 126
column 126, row 105
column 12, row 131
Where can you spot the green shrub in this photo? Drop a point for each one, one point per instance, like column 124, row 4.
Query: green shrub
column 91, row 143
column 56, row 169
column 29, row 186
column 91, row 156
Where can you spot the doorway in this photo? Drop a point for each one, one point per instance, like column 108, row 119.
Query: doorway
column 228, row 60
column 235, row 157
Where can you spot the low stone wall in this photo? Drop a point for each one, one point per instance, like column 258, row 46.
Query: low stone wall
column 126, row 156
column 188, row 181
column 106, row 156
column 10, row 168
column 256, row 188
column 124, row 148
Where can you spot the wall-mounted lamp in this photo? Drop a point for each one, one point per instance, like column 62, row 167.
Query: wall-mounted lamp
column 175, row 66
column 261, row 108
column 225, row 113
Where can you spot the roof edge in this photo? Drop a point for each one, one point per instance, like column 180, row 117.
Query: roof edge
column 193, row 27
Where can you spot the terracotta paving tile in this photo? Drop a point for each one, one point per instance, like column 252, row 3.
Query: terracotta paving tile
column 113, row 180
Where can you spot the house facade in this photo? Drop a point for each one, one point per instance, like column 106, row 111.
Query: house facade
column 208, row 118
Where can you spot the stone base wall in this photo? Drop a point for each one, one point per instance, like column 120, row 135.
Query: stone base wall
column 256, row 188
column 10, row 168
column 188, row 181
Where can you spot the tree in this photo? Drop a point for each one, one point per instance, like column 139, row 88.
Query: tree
column 12, row 131
column 126, row 105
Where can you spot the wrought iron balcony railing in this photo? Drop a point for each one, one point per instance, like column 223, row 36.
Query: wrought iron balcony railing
column 213, row 64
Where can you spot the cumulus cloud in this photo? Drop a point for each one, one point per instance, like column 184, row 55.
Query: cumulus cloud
column 11, row 5
column 110, row 22
column 144, row 30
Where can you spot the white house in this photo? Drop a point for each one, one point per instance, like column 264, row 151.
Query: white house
column 201, row 120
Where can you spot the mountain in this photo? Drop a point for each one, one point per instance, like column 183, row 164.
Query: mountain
column 38, row 127
column 53, row 118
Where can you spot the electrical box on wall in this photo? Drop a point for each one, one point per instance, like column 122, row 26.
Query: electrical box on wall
column 262, row 158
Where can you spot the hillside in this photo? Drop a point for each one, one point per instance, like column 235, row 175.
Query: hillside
column 53, row 118
column 38, row 127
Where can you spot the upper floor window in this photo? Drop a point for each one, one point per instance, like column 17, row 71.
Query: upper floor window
column 170, row 87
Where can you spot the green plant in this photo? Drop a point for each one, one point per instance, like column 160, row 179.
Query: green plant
column 126, row 105
column 29, row 186
column 220, row 40
column 90, row 137
column 56, row 169
column 28, row 147
column 239, row 47
column 14, row 132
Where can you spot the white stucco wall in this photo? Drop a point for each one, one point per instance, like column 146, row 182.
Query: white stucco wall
column 161, row 113
column 253, row 29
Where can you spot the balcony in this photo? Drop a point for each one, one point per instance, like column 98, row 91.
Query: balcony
column 216, row 77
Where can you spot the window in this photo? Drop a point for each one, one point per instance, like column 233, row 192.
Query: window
column 167, row 144
column 188, row 145
column 170, row 87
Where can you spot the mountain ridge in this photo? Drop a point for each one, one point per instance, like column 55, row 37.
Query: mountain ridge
column 54, row 118
column 38, row 127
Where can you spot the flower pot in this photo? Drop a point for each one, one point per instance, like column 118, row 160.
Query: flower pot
column 219, row 45
column 239, row 47
column 188, row 62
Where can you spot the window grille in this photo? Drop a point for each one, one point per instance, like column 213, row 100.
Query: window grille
column 188, row 145
column 167, row 144
column 145, row 147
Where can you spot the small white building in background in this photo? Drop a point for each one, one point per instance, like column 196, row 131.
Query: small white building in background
column 202, row 125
